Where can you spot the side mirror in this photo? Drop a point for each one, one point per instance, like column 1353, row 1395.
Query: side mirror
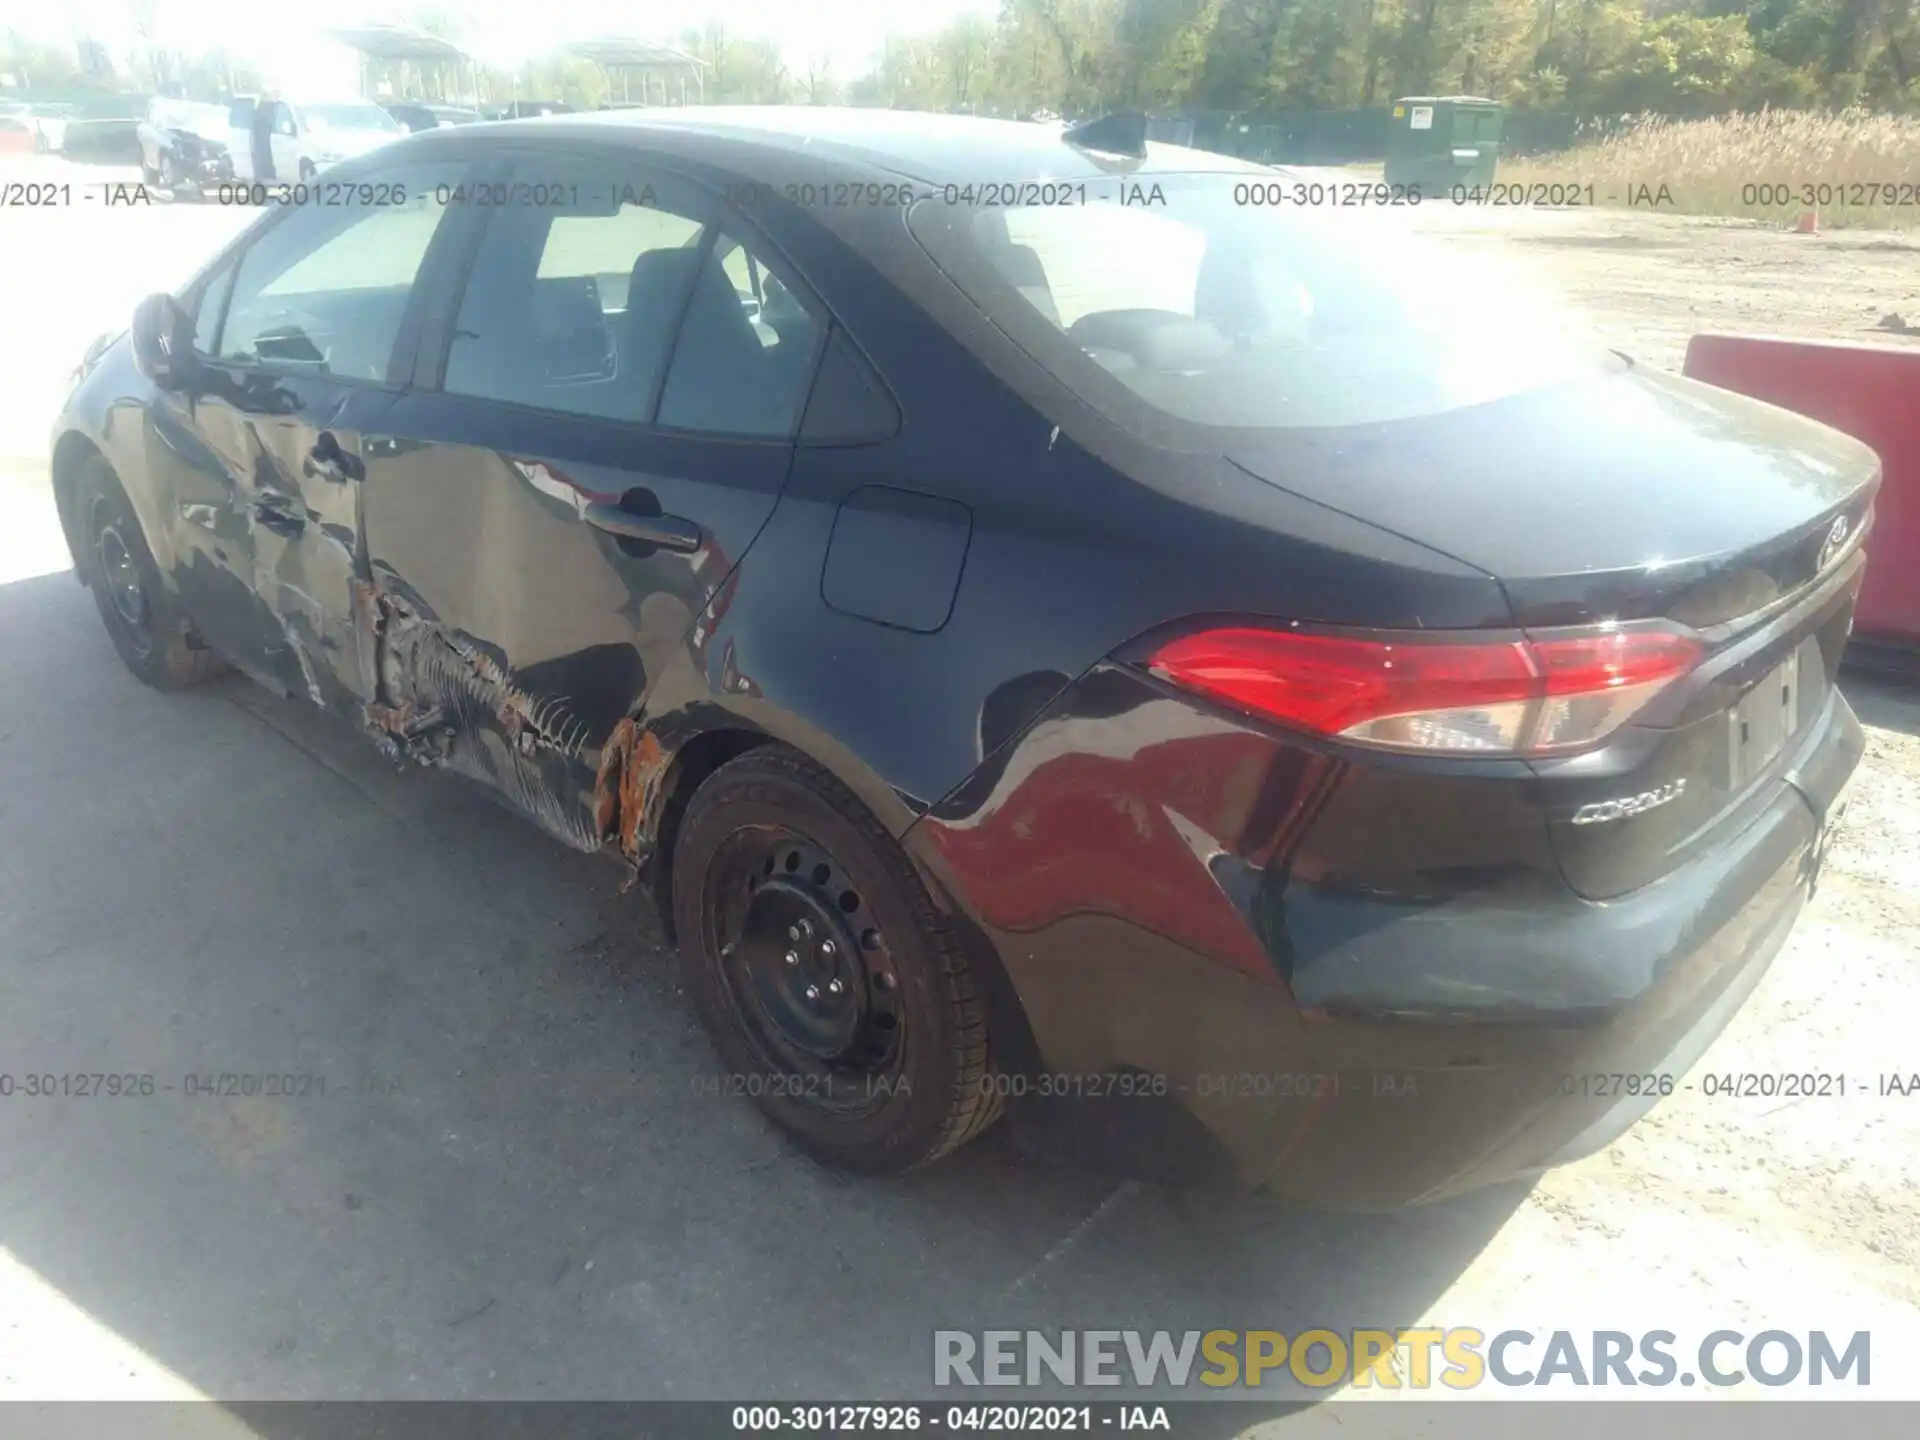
column 162, row 336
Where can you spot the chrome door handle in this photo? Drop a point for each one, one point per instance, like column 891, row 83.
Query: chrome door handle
column 669, row 532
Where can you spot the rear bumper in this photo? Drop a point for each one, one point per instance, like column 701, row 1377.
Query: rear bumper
column 1182, row 1004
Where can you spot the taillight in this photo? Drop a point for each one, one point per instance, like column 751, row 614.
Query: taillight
column 1444, row 695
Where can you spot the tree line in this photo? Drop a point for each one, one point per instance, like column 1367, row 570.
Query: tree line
column 1076, row 57
column 1592, row 57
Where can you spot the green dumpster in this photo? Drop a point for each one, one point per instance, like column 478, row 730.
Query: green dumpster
column 1439, row 141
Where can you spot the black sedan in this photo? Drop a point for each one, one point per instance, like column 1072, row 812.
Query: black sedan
column 1064, row 629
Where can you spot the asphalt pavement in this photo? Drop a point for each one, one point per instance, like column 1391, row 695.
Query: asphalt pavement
column 494, row 1166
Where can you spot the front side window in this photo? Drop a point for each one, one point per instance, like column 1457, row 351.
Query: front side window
column 575, row 293
column 325, row 289
column 1224, row 304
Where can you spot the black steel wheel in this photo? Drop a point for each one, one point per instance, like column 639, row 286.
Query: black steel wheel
column 153, row 641
column 839, row 1000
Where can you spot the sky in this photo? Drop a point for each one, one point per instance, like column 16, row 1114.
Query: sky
column 846, row 32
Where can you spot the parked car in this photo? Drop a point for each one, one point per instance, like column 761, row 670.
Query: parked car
column 49, row 122
column 417, row 116
column 307, row 136
column 1131, row 658
column 184, row 144
column 526, row 109
column 105, row 129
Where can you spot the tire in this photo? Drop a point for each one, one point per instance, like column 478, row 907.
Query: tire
column 770, row 840
column 146, row 628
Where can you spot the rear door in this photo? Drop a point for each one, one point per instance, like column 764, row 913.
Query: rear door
column 286, row 142
column 597, row 433
column 305, row 362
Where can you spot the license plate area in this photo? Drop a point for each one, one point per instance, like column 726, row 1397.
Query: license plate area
column 1766, row 717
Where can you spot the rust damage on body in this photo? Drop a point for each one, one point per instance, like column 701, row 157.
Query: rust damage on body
column 633, row 771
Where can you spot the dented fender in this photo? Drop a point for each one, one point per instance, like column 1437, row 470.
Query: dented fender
column 627, row 789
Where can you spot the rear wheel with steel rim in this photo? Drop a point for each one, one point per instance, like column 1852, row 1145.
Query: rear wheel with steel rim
column 840, row 1001
column 141, row 620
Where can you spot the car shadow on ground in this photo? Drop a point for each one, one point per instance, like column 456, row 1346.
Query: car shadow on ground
column 429, row 1115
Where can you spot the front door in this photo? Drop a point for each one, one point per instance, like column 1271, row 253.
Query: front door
column 577, row 471
column 298, row 378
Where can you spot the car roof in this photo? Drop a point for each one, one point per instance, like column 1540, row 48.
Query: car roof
column 937, row 149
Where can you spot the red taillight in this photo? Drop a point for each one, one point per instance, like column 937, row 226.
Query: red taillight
column 1453, row 695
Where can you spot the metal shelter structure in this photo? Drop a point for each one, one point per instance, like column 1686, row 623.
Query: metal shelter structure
column 401, row 64
column 660, row 69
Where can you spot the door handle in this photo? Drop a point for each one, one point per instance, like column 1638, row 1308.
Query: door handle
column 327, row 461
column 669, row 532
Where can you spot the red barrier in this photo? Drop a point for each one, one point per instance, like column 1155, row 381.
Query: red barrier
column 1872, row 392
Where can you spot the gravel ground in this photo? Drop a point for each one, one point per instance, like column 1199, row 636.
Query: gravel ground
column 1647, row 281
column 1712, row 1212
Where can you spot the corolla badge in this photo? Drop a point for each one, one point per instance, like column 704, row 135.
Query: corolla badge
column 1603, row 810
column 1835, row 542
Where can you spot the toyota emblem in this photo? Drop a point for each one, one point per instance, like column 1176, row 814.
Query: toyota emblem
column 1835, row 542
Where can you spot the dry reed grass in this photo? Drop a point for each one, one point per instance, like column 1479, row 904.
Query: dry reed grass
column 1858, row 170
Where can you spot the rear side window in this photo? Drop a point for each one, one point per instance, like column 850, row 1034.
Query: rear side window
column 745, row 351
column 575, row 294
column 607, row 300
column 325, row 289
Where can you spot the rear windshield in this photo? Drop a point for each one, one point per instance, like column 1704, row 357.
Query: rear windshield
column 1218, row 301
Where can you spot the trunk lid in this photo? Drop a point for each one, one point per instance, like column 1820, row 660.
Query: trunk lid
column 1627, row 496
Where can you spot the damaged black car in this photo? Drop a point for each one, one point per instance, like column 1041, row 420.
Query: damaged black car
column 1057, row 638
